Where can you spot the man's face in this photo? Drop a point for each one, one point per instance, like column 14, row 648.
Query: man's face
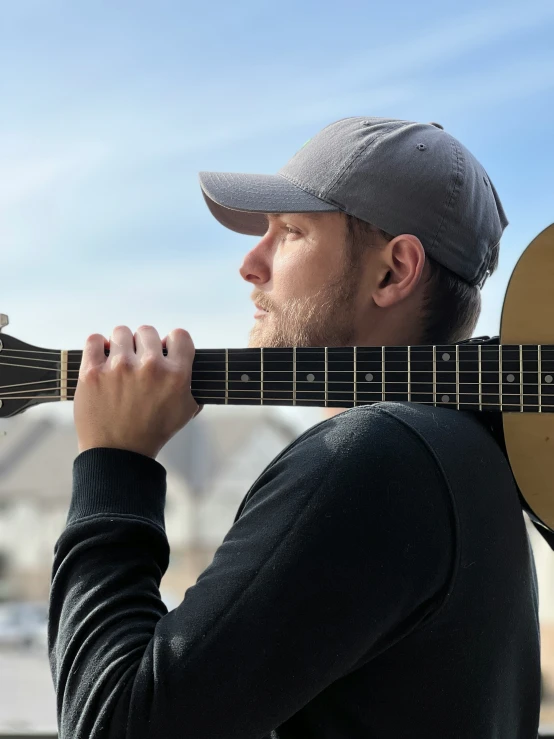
column 304, row 280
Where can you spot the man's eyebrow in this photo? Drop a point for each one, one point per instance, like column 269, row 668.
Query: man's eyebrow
column 308, row 216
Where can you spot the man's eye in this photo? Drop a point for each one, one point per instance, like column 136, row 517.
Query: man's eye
column 292, row 230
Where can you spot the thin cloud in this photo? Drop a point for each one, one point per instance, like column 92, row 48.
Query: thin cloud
column 23, row 179
column 377, row 78
column 506, row 82
column 454, row 37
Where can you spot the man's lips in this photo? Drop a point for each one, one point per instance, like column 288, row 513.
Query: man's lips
column 260, row 311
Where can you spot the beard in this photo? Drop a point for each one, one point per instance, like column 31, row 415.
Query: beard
column 323, row 319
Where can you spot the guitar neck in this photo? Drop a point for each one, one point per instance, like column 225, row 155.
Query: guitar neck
column 475, row 377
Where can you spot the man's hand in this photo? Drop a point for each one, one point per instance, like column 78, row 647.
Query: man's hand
column 134, row 399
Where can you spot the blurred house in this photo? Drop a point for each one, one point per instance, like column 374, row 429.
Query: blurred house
column 210, row 465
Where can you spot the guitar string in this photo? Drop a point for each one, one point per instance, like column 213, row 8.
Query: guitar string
column 201, row 397
column 417, row 349
column 331, row 382
column 368, row 368
column 362, row 387
column 347, row 402
column 387, row 372
column 201, row 360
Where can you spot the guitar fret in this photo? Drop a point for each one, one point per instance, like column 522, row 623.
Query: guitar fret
column 540, row 377
column 355, row 376
column 468, row 377
column 294, row 376
column 326, row 377
column 510, row 378
column 500, row 375
column 547, row 378
column 244, row 376
column 421, row 374
column 489, row 381
column 457, row 377
column 396, row 383
column 261, row 376
column 369, row 375
column 480, row 379
column 409, row 378
column 310, row 376
column 521, row 377
column 530, row 380
column 435, row 376
column 382, row 373
column 210, row 375
column 341, row 381
column 226, row 376
column 63, row 374
column 446, row 376
column 276, row 376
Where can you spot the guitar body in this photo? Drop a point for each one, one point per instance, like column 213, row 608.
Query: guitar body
column 527, row 318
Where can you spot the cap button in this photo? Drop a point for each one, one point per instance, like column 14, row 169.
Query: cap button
column 437, row 125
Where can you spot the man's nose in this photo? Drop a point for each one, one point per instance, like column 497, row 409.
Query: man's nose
column 255, row 267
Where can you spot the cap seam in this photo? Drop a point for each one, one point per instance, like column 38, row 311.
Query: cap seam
column 484, row 268
column 356, row 156
column 457, row 166
column 309, row 190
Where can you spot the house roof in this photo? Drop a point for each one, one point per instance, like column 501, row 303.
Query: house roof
column 36, row 456
column 201, row 450
column 36, row 459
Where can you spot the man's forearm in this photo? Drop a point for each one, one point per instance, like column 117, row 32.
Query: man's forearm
column 104, row 600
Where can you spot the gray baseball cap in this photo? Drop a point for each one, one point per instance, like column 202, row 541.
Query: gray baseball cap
column 401, row 176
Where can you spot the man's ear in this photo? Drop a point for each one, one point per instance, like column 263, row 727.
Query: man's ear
column 401, row 264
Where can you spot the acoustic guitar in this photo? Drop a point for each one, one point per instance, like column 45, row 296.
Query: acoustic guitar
column 510, row 376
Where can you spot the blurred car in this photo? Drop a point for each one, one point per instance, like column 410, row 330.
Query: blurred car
column 23, row 624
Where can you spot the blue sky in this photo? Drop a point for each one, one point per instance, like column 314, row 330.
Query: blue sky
column 108, row 111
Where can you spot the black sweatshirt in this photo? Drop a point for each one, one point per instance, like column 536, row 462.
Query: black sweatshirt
column 377, row 582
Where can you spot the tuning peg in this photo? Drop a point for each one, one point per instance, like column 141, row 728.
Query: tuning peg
column 4, row 320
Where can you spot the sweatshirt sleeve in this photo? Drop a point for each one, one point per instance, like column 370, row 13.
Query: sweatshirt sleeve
column 344, row 544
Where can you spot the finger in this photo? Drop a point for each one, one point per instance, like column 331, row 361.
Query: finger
column 148, row 341
column 93, row 352
column 180, row 347
column 121, row 341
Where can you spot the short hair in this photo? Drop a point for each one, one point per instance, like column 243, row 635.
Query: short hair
column 451, row 306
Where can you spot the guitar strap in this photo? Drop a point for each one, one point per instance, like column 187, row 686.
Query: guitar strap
column 493, row 421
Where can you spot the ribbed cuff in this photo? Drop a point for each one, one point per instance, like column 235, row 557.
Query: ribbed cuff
column 118, row 481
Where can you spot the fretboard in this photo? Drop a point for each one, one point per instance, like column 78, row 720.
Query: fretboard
column 476, row 377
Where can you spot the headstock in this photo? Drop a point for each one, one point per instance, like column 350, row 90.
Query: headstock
column 29, row 375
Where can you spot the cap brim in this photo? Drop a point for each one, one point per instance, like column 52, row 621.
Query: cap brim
column 241, row 201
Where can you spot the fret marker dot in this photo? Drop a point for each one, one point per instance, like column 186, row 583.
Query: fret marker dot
column 369, row 377
column 445, row 398
column 244, row 378
column 510, row 378
column 548, row 378
column 310, row 378
column 446, row 357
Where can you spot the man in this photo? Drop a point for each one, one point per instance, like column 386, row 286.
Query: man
column 378, row 580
